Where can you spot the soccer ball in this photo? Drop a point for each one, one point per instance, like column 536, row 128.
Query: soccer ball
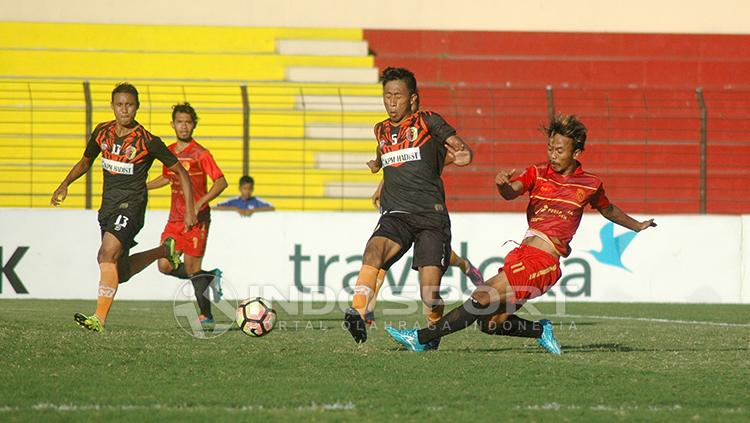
column 255, row 316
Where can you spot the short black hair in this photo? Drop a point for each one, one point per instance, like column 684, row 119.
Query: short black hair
column 247, row 179
column 185, row 108
column 400, row 74
column 128, row 88
column 568, row 126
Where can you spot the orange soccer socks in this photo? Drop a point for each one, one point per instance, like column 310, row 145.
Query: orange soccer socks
column 363, row 291
column 374, row 298
column 107, row 289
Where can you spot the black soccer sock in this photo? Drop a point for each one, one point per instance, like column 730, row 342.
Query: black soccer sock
column 513, row 326
column 457, row 319
column 180, row 272
column 200, row 285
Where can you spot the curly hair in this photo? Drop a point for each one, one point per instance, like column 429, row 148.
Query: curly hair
column 568, row 126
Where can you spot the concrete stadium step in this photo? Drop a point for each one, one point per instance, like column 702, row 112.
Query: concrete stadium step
column 321, row 47
column 350, row 189
column 343, row 161
column 159, row 38
column 340, row 103
column 209, row 66
column 334, row 131
column 341, row 74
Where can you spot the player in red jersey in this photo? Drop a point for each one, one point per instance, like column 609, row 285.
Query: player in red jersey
column 199, row 164
column 558, row 190
column 127, row 150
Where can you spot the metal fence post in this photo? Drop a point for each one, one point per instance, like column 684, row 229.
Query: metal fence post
column 550, row 102
column 89, row 124
column 703, row 148
column 245, row 131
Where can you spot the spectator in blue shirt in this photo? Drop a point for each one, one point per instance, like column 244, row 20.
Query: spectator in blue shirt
column 245, row 204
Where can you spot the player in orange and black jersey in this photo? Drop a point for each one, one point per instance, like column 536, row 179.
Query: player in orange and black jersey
column 412, row 148
column 559, row 190
column 459, row 158
column 128, row 150
column 199, row 164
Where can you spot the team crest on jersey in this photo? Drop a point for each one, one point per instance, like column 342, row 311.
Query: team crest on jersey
column 104, row 146
column 411, row 133
column 130, row 152
column 580, row 195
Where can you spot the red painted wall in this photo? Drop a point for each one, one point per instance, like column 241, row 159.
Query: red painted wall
column 567, row 59
column 635, row 92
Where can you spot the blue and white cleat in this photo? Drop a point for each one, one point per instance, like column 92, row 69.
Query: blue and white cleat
column 215, row 285
column 547, row 340
column 406, row 337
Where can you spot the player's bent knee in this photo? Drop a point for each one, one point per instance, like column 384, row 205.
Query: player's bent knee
column 482, row 297
column 123, row 270
column 164, row 266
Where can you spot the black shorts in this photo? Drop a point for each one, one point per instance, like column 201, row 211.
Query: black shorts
column 429, row 232
column 124, row 223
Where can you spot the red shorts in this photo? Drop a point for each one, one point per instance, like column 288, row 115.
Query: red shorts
column 531, row 271
column 192, row 242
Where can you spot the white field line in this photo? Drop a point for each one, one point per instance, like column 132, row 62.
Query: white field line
column 347, row 406
column 336, row 406
column 655, row 320
column 553, row 406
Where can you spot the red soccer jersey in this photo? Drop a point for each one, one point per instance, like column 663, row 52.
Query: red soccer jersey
column 199, row 163
column 556, row 202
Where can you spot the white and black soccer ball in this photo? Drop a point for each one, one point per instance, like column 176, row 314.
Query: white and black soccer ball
column 255, row 316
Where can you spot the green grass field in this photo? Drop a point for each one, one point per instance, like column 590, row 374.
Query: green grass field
column 646, row 362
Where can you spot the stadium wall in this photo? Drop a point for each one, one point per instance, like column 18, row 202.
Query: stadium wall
column 316, row 256
column 636, row 16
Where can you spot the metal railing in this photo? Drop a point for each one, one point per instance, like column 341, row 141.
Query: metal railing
column 658, row 151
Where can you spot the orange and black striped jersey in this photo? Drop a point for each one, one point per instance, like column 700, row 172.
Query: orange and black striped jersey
column 412, row 155
column 556, row 201
column 125, row 163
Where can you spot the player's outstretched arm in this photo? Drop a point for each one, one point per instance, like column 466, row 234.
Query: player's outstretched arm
column 227, row 208
column 190, row 215
column 614, row 214
column 157, row 182
column 459, row 152
column 250, row 212
column 505, row 187
column 78, row 169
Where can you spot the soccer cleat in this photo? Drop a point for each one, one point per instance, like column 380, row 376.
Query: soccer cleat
column 215, row 285
column 474, row 275
column 91, row 323
column 170, row 250
column 547, row 340
column 355, row 325
column 406, row 337
column 370, row 318
column 205, row 320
